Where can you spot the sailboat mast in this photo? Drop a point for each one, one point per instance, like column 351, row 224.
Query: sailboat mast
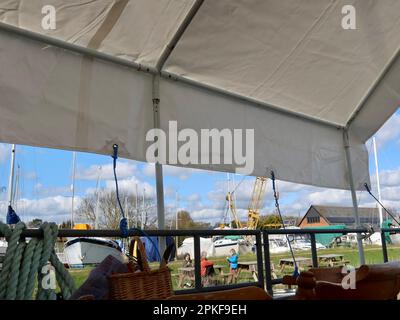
column 11, row 178
column 96, row 211
column 142, row 218
column 73, row 188
column 377, row 182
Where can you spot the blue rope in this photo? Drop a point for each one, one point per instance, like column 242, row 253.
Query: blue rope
column 296, row 269
column 123, row 224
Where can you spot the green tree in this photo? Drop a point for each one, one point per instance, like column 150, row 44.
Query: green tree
column 270, row 221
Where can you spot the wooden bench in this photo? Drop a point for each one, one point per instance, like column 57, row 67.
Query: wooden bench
column 372, row 282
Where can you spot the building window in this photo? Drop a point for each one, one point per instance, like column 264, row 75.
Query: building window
column 313, row 220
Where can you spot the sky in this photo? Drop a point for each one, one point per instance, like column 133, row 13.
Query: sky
column 45, row 183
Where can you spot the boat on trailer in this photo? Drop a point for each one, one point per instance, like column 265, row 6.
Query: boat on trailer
column 82, row 251
column 222, row 245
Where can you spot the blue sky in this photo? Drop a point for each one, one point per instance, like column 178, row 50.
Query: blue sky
column 45, row 182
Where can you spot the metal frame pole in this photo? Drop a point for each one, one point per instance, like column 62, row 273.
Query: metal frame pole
column 11, row 177
column 377, row 182
column 314, row 252
column 384, row 247
column 267, row 263
column 260, row 265
column 353, row 195
column 158, row 166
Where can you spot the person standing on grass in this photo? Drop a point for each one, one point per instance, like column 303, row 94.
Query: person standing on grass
column 205, row 264
column 233, row 261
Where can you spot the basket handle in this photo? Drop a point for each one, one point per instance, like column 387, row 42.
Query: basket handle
column 141, row 253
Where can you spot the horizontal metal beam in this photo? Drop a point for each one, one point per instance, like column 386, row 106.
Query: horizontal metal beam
column 374, row 87
column 34, row 36
column 31, row 233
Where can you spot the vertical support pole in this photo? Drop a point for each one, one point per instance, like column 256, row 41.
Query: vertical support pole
column 159, row 171
column 353, row 195
column 378, row 185
column 314, row 253
column 11, row 177
column 384, row 247
column 267, row 263
column 260, row 265
column 197, row 262
column 73, row 188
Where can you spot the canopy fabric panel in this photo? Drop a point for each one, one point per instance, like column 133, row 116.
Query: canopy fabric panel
column 296, row 149
column 54, row 98
column 136, row 30
column 290, row 54
column 286, row 69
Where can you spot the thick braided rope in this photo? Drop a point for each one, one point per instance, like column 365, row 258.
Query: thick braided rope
column 23, row 264
column 25, row 270
column 9, row 258
column 49, row 239
column 64, row 279
column 12, row 286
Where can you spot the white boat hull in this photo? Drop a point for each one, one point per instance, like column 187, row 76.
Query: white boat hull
column 82, row 251
column 188, row 246
column 223, row 247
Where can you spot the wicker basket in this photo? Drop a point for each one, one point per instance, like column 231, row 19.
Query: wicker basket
column 143, row 285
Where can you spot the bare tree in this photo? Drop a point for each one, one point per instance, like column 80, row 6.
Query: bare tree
column 109, row 214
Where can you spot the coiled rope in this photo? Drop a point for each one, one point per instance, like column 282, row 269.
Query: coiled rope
column 24, row 263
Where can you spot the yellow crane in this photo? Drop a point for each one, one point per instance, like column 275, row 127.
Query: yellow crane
column 255, row 205
column 256, row 202
column 232, row 208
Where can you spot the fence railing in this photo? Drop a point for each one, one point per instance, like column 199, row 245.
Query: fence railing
column 262, row 249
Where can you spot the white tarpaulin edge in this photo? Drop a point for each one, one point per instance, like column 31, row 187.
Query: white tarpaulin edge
column 59, row 99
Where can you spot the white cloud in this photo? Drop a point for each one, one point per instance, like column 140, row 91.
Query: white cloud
column 4, row 152
column 193, row 197
column 389, row 131
column 172, row 171
column 130, row 184
column 52, row 209
column 46, row 191
column 124, row 170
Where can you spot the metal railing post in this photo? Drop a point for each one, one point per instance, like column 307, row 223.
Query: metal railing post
column 197, row 262
column 260, row 265
column 314, row 252
column 267, row 263
column 384, row 247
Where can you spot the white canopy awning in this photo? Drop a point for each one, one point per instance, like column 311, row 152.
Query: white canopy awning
column 286, row 69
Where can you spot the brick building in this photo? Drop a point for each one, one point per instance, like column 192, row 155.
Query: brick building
column 318, row 216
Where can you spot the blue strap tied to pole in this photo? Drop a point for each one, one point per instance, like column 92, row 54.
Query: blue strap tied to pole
column 296, row 269
column 123, row 224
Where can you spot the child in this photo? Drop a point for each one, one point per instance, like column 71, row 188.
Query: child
column 205, row 264
column 233, row 261
column 187, row 261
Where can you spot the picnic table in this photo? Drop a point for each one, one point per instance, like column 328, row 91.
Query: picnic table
column 301, row 262
column 187, row 273
column 249, row 265
column 333, row 259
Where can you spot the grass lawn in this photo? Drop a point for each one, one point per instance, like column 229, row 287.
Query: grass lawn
column 373, row 254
